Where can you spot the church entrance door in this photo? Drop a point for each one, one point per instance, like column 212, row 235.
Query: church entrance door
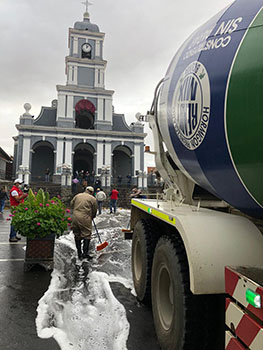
column 42, row 159
column 83, row 158
column 122, row 165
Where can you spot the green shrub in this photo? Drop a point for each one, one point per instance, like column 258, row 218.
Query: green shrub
column 40, row 216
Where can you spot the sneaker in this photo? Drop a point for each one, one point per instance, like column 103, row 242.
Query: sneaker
column 14, row 239
column 18, row 238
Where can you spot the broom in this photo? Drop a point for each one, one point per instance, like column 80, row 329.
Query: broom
column 101, row 245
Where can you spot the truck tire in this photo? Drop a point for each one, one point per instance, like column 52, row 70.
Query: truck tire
column 183, row 321
column 144, row 240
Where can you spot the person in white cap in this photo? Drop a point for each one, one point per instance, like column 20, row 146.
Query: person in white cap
column 84, row 211
column 100, row 196
column 16, row 197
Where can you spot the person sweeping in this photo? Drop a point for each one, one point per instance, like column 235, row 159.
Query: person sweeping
column 84, row 211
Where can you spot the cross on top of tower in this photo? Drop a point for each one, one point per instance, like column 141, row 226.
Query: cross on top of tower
column 86, row 3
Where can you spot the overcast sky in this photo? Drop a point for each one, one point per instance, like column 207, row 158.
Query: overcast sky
column 142, row 37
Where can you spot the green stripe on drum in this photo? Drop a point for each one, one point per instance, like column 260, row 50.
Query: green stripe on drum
column 244, row 113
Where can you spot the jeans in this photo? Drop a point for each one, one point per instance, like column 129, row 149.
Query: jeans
column 12, row 232
column 113, row 204
column 100, row 206
column 2, row 204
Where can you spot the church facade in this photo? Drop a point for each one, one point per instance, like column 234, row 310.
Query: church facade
column 80, row 130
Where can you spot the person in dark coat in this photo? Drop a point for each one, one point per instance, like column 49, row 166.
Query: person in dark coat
column 97, row 184
column 3, row 198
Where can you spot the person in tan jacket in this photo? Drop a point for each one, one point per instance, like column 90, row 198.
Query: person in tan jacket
column 84, row 211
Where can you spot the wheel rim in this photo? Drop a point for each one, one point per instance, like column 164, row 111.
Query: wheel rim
column 165, row 303
column 137, row 260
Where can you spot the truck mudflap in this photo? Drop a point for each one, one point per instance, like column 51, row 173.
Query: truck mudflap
column 244, row 308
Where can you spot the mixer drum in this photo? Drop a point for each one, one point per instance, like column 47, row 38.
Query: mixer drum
column 210, row 110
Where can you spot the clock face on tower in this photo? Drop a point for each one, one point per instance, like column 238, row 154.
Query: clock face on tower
column 86, row 48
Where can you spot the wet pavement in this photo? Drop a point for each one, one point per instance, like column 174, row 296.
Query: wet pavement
column 75, row 292
column 19, row 295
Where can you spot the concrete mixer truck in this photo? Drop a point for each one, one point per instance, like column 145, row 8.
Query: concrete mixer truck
column 205, row 228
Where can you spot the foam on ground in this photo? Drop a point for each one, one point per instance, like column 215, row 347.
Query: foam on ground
column 79, row 309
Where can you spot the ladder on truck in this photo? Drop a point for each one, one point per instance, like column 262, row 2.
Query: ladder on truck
column 244, row 308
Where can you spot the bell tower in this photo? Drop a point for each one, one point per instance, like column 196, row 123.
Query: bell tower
column 84, row 102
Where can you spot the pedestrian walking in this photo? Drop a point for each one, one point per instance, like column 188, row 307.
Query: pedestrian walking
column 47, row 174
column 75, row 182
column 119, row 179
column 16, row 197
column 81, row 176
column 87, row 177
column 113, row 200
column 100, row 196
column 3, row 198
column 84, row 211
column 129, row 178
column 92, row 178
column 97, row 184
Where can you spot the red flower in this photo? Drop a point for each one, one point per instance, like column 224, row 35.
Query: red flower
column 69, row 219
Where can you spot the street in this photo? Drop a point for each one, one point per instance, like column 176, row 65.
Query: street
column 86, row 304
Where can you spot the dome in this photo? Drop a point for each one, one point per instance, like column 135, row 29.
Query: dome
column 86, row 25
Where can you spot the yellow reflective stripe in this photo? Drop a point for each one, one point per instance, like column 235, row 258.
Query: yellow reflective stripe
column 155, row 212
column 140, row 205
column 163, row 216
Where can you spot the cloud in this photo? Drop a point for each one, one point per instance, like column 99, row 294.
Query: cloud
column 141, row 39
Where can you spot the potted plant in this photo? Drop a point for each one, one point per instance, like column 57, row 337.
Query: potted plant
column 40, row 219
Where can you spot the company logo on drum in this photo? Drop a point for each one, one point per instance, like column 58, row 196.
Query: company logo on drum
column 191, row 105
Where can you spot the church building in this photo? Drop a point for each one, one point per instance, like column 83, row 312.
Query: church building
column 80, row 130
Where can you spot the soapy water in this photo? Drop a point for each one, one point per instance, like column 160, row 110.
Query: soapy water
column 79, row 309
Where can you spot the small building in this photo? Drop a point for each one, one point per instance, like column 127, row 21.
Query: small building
column 80, row 130
column 6, row 162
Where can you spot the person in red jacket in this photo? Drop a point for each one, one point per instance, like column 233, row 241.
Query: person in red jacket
column 16, row 197
column 113, row 200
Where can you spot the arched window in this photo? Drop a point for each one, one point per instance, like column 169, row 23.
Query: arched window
column 85, row 114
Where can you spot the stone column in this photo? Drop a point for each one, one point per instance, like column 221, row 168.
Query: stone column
column 108, row 163
column 59, row 157
column 144, row 182
column 26, row 152
column 99, row 155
